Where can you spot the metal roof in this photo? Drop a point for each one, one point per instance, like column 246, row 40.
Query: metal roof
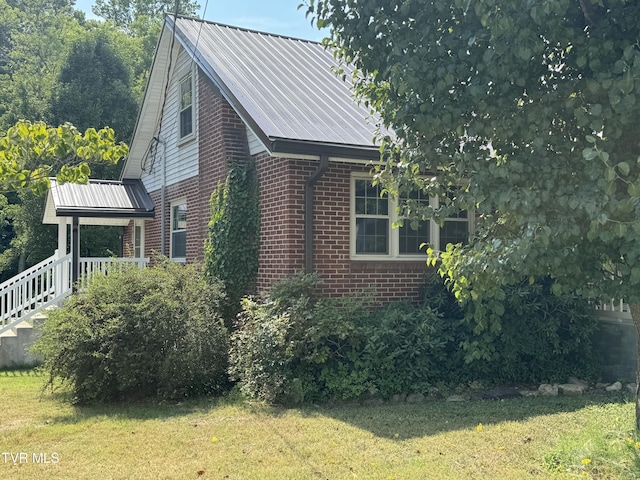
column 284, row 88
column 99, row 202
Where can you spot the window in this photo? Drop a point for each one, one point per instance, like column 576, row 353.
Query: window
column 372, row 216
column 372, row 219
column 186, row 106
column 138, row 239
column 179, row 231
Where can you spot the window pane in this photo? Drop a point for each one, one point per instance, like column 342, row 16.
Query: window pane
column 180, row 217
column 186, row 122
column 137, row 241
column 179, row 244
column 453, row 232
column 368, row 200
column 372, row 235
column 185, row 93
column 410, row 239
column 186, row 107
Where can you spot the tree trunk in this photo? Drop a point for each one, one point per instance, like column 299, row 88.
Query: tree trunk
column 22, row 261
column 635, row 313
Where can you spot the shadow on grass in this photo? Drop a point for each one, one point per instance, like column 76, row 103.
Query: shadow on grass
column 413, row 420
column 426, row 419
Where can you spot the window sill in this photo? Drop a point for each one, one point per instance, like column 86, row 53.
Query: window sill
column 186, row 140
column 388, row 258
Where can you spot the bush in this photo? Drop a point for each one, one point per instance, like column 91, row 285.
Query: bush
column 138, row 333
column 281, row 344
column 295, row 345
column 544, row 337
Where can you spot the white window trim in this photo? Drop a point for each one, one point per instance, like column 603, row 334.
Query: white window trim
column 187, row 138
column 173, row 204
column 138, row 223
column 393, row 233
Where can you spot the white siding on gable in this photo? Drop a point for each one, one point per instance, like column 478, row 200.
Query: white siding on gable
column 181, row 156
column 255, row 145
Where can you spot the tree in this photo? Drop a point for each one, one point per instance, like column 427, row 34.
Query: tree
column 94, row 87
column 124, row 13
column 31, row 152
column 36, row 36
column 535, row 105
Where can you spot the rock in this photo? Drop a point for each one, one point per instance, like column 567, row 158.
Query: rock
column 400, row 398
column 455, row 398
column 601, row 386
column 415, row 398
column 571, row 389
column 547, row 390
column 616, row 387
column 577, row 381
column 632, row 387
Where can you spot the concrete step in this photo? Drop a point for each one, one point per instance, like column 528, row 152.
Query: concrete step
column 15, row 343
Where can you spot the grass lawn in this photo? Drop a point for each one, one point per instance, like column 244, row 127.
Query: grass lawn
column 570, row 437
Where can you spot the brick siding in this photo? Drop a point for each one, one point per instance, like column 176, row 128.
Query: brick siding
column 222, row 136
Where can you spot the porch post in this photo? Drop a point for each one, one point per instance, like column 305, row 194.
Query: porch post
column 75, row 252
column 62, row 236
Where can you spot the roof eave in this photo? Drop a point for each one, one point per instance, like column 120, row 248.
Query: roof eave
column 300, row 147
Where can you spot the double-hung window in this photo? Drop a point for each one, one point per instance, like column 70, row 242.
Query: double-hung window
column 372, row 217
column 179, row 231
column 186, row 106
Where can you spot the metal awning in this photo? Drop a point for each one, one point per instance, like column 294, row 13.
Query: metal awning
column 99, row 202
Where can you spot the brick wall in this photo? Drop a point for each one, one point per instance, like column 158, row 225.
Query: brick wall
column 282, row 184
column 222, row 136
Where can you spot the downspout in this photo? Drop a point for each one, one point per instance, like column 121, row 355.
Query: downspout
column 308, row 211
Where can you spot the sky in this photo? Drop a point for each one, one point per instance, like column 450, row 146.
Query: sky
column 272, row 16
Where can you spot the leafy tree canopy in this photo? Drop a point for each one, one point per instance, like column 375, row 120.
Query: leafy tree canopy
column 125, row 13
column 534, row 104
column 31, row 152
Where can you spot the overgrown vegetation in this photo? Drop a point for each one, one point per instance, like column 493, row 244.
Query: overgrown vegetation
column 231, row 251
column 139, row 332
column 160, row 332
column 294, row 345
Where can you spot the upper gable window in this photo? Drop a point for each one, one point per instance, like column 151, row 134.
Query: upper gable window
column 186, row 106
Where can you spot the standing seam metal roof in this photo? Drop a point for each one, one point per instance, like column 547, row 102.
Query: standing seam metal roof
column 98, row 199
column 286, row 86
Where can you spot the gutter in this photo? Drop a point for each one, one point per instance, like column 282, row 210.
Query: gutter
column 308, row 211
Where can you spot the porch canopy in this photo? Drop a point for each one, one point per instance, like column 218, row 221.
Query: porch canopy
column 99, row 202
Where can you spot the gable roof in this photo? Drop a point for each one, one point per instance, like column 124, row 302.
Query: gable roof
column 283, row 88
column 99, row 202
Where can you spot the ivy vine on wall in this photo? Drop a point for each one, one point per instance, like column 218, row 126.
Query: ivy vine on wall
column 231, row 250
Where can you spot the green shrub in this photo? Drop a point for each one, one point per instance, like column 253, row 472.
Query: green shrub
column 343, row 349
column 407, row 348
column 137, row 333
column 290, row 337
column 544, row 337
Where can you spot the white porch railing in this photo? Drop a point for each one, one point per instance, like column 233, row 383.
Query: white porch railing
column 48, row 283
column 614, row 308
column 36, row 288
column 90, row 265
